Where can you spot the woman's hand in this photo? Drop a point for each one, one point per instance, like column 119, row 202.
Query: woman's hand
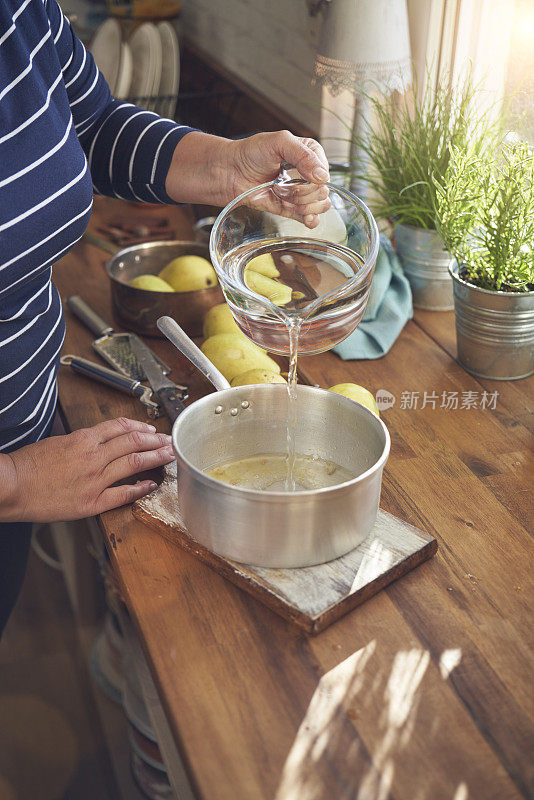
column 209, row 169
column 70, row 477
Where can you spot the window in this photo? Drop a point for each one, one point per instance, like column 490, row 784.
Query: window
column 519, row 84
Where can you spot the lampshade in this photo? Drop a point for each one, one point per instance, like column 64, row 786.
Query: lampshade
column 364, row 42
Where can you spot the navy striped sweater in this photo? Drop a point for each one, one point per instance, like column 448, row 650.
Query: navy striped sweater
column 62, row 135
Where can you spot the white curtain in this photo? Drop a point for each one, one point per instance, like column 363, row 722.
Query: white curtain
column 446, row 37
column 449, row 36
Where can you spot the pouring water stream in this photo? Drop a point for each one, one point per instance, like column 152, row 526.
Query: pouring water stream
column 312, row 472
column 293, row 329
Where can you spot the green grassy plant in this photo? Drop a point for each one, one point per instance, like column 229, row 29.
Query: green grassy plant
column 485, row 212
column 409, row 145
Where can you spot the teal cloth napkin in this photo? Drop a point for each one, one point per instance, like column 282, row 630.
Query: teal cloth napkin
column 388, row 309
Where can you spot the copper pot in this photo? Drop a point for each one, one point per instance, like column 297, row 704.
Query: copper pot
column 138, row 309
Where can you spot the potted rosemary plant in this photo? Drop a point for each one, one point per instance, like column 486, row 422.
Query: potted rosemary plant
column 485, row 208
column 407, row 145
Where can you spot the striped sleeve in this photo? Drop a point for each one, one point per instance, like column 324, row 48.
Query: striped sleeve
column 129, row 150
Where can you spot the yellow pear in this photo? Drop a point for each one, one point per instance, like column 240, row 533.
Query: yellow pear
column 257, row 376
column 357, row 393
column 150, row 283
column 189, row 273
column 278, row 293
column 219, row 319
column 264, row 264
column 233, row 354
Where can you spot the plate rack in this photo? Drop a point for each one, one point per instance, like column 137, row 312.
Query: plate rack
column 211, row 107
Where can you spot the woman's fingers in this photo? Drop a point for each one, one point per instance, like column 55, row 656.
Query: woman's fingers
column 312, row 208
column 117, row 496
column 111, row 428
column 282, row 209
column 307, row 213
column 132, row 442
column 309, row 192
column 311, row 220
column 132, row 463
column 286, row 207
column 306, row 155
column 316, row 148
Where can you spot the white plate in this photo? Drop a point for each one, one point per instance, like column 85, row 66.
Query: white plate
column 106, row 50
column 158, row 60
column 136, row 712
column 170, row 71
column 143, row 755
column 145, row 46
column 124, row 79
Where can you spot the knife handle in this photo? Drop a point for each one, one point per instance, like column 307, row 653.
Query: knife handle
column 85, row 314
column 170, row 401
column 97, row 241
column 100, row 373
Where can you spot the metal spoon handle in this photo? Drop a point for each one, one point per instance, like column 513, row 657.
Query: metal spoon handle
column 181, row 340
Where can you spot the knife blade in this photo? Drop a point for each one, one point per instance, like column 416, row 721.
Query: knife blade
column 170, row 395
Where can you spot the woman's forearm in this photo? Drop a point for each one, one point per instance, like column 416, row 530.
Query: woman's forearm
column 200, row 169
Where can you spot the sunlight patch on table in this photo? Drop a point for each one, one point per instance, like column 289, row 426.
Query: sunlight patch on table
column 321, row 725
column 374, row 563
column 449, row 660
column 461, row 792
column 397, row 720
column 357, row 685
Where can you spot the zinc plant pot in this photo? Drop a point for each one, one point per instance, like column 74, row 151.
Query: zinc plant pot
column 494, row 330
column 426, row 265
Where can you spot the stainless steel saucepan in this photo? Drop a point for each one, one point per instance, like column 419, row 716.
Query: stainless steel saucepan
column 273, row 528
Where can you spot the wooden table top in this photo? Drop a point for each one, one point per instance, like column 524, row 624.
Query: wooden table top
column 422, row 693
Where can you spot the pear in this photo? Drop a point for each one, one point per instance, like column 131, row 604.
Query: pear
column 257, row 376
column 233, row 354
column 357, row 393
column 278, row 293
column 189, row 273
column 219, row 319
column 264, row 264
column 150, row 283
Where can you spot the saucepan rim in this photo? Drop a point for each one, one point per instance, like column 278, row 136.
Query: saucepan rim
column 181, row 421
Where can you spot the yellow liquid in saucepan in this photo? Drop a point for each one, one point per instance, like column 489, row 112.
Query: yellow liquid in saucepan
column 268, row 472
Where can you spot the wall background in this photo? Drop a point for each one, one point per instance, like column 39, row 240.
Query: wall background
column 269, row 44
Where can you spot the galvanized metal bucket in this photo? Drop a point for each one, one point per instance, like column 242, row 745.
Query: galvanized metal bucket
column 426, row 265
column 494, row 331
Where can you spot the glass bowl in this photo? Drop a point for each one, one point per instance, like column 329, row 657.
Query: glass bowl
column 278, row 274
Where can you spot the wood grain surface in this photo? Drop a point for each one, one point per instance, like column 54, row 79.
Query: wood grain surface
column 425, row 692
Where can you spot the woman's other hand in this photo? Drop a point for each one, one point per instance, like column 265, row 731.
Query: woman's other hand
column 70, row 477
column 209, row 169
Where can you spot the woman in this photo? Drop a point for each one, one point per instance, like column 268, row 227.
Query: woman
column 61, row 136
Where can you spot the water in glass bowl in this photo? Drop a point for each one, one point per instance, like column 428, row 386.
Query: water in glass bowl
column 310, row 293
